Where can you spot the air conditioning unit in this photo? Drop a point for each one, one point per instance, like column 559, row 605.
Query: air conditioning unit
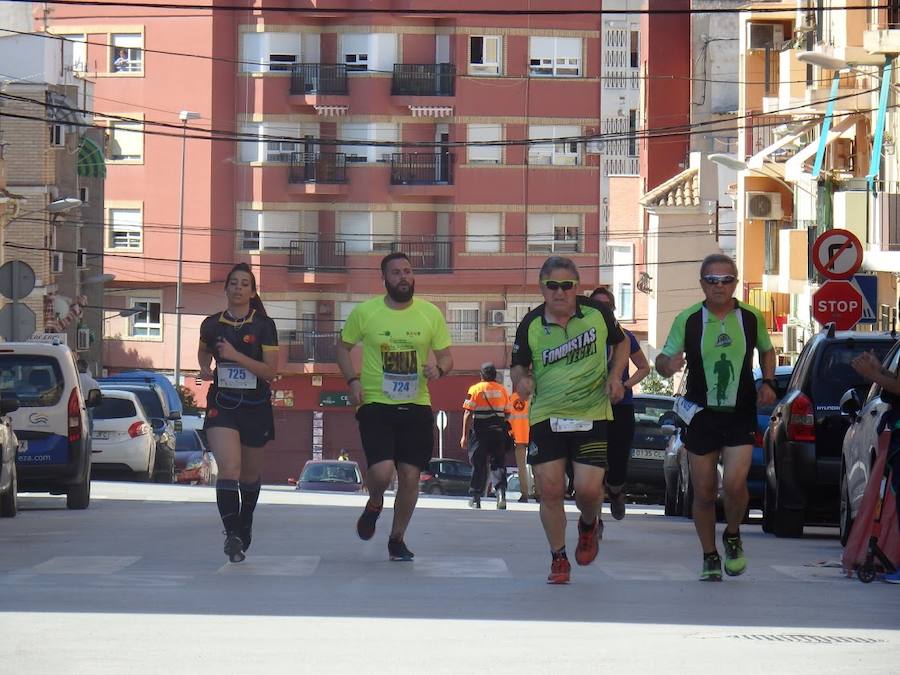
column 763, row 206
column 83, row 339
column 765, row 35
column 497, row 318
column 791, row 335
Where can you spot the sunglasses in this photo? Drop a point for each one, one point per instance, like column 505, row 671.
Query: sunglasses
column 713, row 279
column 553, row 285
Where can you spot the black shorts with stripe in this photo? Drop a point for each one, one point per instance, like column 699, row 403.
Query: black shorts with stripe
column 584, row 447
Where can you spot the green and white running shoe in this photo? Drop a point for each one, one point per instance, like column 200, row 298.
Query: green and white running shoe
column 712, row 568
column 735, row 562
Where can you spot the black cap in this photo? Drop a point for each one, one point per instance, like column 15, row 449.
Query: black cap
column 488, row 371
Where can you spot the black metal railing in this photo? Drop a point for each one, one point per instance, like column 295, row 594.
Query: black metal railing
column 760, row 131
column 427, row 168
column 314, row 347
column 423, row 79
column 318, row 167
column 318, row 78
column 317, row 256
column 772, row 262
column 426, row 255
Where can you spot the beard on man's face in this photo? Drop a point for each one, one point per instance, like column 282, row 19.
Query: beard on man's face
column 398, row 294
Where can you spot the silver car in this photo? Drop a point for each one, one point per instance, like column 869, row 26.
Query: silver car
column 9, row 446
column 867, row 421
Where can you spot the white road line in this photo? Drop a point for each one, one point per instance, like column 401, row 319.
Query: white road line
column 460, row 567
column 274, row 566
column 86, row 564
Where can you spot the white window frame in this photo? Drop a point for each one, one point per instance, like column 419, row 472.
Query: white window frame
column 271, row 51
column 484, row 133
column 133, row 44
column 484, row 232
column 623, row 285
column 382, row 132
column 57, row 135
column 275, row 230
column 130, row 134
column 486, row 67
column 544, row 230
column 515, row 312
column 553, row 56
column 133, row 233
column 146, row 328
column 79, row 51
column 559, row 153
column 362, row 52
column 367, row 231
column 464, row 330
column 285, row 315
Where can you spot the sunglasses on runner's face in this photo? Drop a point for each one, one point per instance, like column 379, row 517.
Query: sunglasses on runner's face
column 554, row 285
column 713, row 279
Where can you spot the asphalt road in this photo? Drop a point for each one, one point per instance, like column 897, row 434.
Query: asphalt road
column 138, row 584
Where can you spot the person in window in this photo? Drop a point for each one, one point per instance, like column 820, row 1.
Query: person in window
column 121, row 65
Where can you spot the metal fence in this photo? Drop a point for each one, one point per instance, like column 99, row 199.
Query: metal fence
column 423, row 79
column 427, row 256
column 427, row 168
column 314, row 347
column 318, row 78
column 318, row 167
column 317, row 256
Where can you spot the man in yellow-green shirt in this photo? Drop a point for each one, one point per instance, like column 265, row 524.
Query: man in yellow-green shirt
column 396, row 423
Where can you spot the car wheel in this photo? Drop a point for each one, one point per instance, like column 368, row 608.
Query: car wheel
column 435, row 490
column 9, row 506
column 671, row 502
column 846, row 521
column 79, row 497
column 165, row 473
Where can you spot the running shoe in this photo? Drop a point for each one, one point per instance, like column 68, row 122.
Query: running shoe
column 501, row 500
column 398, row 551
column 365, row 526
column 475, row 502
column 712, row 568
column 588, row 543
column 560, row 570
column 246, row 535
column 523, row 499
column 735, row 562
column 893, row 577
column 617, row 502
column 234, row 547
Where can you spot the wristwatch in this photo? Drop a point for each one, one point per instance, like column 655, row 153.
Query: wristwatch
column 772, row 382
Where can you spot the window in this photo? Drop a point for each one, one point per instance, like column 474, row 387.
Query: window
column 57, row 135
column 632, row 133
column 345, row 309
column 147, row 322
column 560, row 152
column 84, row 195
column 554, row 232
column 485, row 133
column 554, row 57
column 623, row 279
column 127, row 53
column 462, row 320
column 363, row 231
column 635, row 49
column 125, row 229
column 126, row 141
column 483, row 232
column 269, row 142
column 268, row 52
column 284, row 314
column 79, row 52
column 275, row 230
column 484, row 55
column 515, row 312
column 81, row 258
column 366, row 133
column 377, row 52
column 56, row 262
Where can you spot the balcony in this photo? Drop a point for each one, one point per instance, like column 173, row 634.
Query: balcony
column 427, row 168
column 427, row 256
column 318, row 167
column 317, row 256
column 423, row 79
column 883, row 37
column 314, row 347
column 319, row 79
column 772, row 260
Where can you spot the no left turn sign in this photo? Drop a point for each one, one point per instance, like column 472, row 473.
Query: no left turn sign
column 837, row 254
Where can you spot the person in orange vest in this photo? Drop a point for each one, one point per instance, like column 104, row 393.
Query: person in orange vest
column 518, row 420
column 485, row 434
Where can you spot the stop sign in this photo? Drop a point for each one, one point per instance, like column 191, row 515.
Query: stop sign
column 838, row 302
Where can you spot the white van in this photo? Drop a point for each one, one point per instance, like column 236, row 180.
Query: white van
column 51, row 422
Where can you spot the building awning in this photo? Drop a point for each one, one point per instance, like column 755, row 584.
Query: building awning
column 794, row 168
column 757, row 160
column 331, row 110
column 91, row 163
column 431, row 110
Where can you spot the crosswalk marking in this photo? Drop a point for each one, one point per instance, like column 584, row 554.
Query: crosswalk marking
column 460, row 567
column 811, row 573
column 648, row 571
column 83, row 564
column 274, row 566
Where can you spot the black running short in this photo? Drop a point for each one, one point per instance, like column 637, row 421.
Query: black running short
column 584, row 447
column 254, row 423
column 711, row 430
column 400, row 433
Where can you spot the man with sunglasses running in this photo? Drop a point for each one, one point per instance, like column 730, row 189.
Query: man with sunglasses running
column 719, row 405
column 559, row 357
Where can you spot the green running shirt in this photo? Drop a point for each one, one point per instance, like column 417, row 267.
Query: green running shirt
column 568, row 364
column 396, row 343
column 719, row 354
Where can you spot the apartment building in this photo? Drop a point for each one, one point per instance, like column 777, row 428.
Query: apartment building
column 816, row 152
column 341, row 136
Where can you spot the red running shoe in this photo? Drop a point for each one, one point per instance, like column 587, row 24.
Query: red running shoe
column 365, row 526
column 560, row 570
column 588, row 543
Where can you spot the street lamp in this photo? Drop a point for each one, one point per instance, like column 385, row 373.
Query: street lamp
column 184, row 116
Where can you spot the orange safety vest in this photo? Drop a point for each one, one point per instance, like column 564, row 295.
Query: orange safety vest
column 518, row 418
column 478, row 397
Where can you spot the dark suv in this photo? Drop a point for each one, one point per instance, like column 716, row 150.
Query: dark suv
column 446, row 477
column 803, row 442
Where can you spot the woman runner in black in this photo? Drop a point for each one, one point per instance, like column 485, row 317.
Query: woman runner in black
column 239, row 422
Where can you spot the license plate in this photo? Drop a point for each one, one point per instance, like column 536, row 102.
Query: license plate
column 23, row 447
column 100, row 435
column 644, row 453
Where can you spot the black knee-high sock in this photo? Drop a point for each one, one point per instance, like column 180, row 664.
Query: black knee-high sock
column 228, row 499
column 249, row 497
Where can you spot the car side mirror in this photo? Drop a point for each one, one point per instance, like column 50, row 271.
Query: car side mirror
column 158, row 424
column 8, row 404
column 850, row 404
column 94, row 398
column 179, row 425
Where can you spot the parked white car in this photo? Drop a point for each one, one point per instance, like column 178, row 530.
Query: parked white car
column 122, row 437
column 867, row 420
column 9, row 446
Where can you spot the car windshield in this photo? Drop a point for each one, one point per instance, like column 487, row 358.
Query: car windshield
column 35, row 380
column 114, row 408
column 187, row 441
column 150, row 400
column 648, row 411
column 837, row 375
column 330, row 473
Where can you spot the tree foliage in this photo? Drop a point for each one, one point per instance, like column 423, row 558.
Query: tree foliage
column 655, row 383
column 188, row 402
